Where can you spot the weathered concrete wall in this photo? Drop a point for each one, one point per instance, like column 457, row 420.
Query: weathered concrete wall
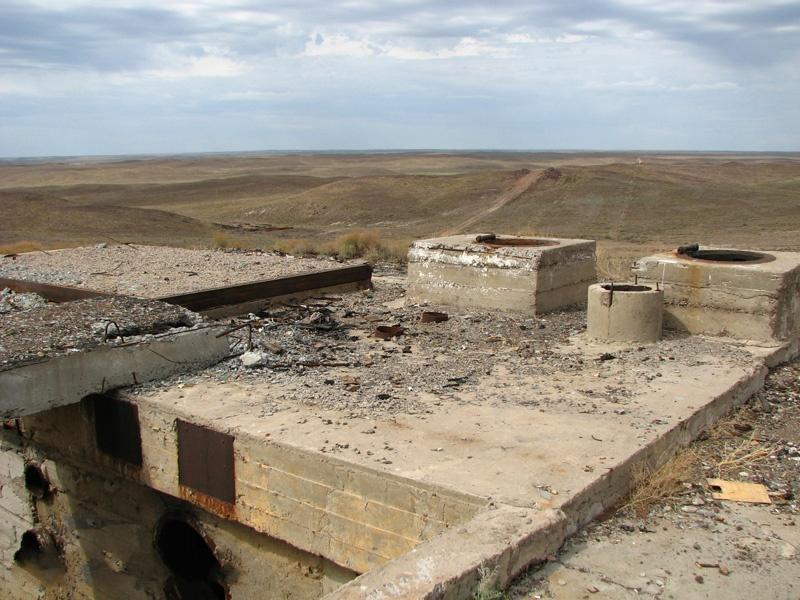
column 353, row 516
column 528, row 279
column 751, row 301
column 65, row 379
column 105, row 529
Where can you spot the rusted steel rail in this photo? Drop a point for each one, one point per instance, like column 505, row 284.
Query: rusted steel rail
column 213, row 298
column 53, row 293
column 208, row 299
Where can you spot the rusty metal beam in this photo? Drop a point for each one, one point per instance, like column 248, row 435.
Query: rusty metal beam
column 53, row 293
column 269, row 288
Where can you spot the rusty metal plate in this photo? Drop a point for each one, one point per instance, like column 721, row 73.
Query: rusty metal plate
column 116, row 427
column 205, row 461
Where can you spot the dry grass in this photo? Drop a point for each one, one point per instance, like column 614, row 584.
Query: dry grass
column 298, row 247
column 370, row 245
column 357, row 244
column 221, row 239
column 20, row 247
column 651, row 486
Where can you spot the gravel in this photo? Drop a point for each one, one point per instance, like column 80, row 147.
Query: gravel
column 11, row 301
column 56, row 329
column 154, row 271
column 324, row 353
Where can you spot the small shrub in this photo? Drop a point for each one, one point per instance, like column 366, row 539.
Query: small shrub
column 221, row 240
column 487, row 589
column 370, row 246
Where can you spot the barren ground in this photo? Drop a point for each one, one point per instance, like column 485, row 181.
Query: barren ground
column 633, row 204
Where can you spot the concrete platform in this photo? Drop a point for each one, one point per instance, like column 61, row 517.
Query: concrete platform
column 411, row 500
column 476, row 443
column 525, row 275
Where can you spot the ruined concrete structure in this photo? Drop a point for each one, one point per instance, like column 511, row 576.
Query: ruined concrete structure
column 525, row 275
column 624, row 312
column 367, row 473
column 737, row 293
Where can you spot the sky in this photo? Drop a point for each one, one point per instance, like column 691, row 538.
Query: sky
column 80, row 77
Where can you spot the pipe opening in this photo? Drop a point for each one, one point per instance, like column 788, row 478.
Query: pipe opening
column 731, row 256
column 626, row 288
column 194, row 567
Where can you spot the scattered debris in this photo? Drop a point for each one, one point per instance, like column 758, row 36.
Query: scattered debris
column 738, row 491
column 387, row 332
column 11, row 301
column 430, row 316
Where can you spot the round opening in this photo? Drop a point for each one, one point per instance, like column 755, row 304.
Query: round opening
column 191, row 560
column 501, row 241
column 626, row 288
column 36, row 483
column 733, row 256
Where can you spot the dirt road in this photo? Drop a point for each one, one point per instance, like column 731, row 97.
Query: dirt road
column 520, row 187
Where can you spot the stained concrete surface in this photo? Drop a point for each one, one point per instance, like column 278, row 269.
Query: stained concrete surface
column 755, row 547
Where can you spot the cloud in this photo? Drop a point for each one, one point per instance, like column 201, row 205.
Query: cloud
column 513, row 68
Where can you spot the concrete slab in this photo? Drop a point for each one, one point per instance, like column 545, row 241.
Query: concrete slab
column 57, row 354
column 362, row 491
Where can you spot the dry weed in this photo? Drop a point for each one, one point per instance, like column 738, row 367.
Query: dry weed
column 20, row 247
column 652, row 486
column 298, row 247
column 370, row 245
column 220, row 239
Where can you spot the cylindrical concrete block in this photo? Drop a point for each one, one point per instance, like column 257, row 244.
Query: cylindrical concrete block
column 625, row 313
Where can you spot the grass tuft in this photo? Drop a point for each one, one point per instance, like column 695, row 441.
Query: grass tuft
column 652, row 486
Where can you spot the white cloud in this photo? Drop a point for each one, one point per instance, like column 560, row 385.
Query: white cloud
column 339, row 44
column 181, row 61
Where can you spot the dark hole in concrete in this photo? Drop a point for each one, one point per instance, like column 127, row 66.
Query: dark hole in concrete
column 195, row 569
column 30, row 547
column 500, row 241
column 734, row 256
column 38, row 550
column 626, row 288
column 116, row 426
column 36, row 482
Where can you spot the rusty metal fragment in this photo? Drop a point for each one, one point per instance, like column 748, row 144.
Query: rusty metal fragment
column 434, row 317
column 205, row 461
column 387, row 332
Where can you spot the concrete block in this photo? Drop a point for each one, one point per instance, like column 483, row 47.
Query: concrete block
column 755, row 300
column 525, row 275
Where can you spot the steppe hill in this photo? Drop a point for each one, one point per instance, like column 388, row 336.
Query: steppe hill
column 632, row 203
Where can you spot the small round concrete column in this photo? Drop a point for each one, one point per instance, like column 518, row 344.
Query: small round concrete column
column 624, row 312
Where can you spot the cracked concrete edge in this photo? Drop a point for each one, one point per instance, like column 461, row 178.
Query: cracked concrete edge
column 608, row 490
column 491, row 549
